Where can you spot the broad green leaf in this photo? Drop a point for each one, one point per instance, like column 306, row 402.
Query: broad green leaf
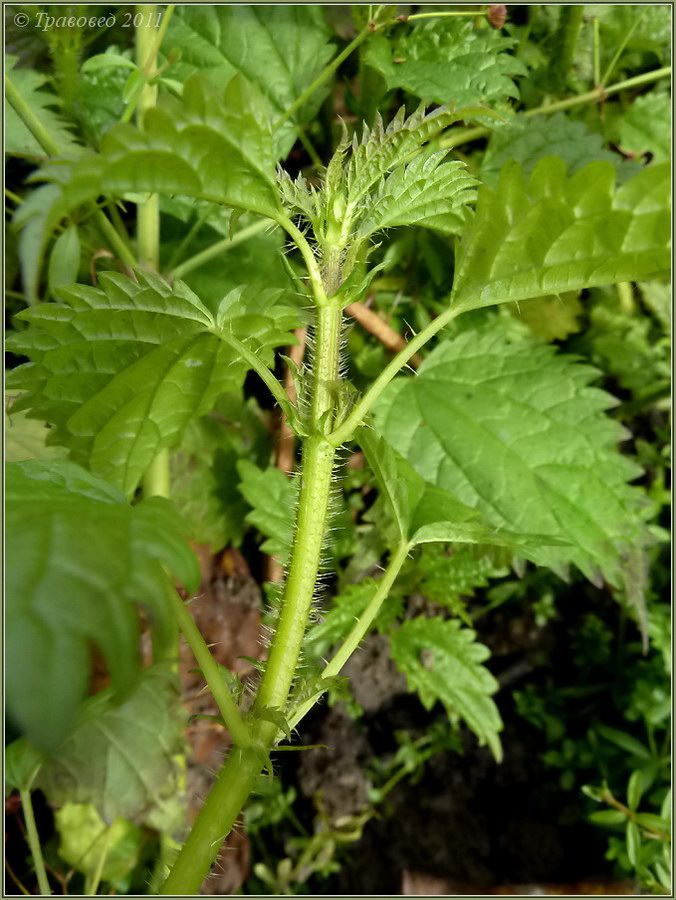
column 528, row 140
column 273, row 497
column 516, row 432
column 81, row 561
column 279, row 49
column 85, row 839
column 552, row 233
column 443, row 661
column 425, row 513
column 64, row 262
column 646, row 127
column 448, row 61
column 214, row 144
column 120, row 370
column 18, row 139
column 22, row 764
column 121, row 757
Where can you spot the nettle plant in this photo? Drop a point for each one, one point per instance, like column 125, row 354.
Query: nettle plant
column 496, row 441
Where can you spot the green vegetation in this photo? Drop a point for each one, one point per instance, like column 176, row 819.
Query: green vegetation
column 196, row 194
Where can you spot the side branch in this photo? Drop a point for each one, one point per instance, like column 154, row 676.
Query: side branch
column 345, row 431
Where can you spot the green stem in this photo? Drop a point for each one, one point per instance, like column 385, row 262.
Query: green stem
column 34, row 843
column 360, row 628
column 345, row 431
column 189, row 237
column 221, row 808
column 618, row 53
column 466, row 135
column 273, row 385
column 323, row 77
column 148, row 213
column 30, row 120
column 205, row 256
column 596, row 49
column 92, row 886
column 314, row 274
column 238, row 776
column 157, row 480
column 212, row 674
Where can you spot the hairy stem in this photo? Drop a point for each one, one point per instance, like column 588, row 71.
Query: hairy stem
column 238, row 776
column 363, row 406
column 34, row 842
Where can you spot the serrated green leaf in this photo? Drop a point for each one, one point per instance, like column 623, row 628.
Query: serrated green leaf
column 446, row 574
column 273, row 497
column 120, row 370
column 84, row 839
column 214, row 144
column 18, row 139
column 554, row 234
column 121, row 758
column 279, row 49
column 425, row 513
column 448, row 61
column 65, row 592
column 443, row 661
column 64, row 262
column 646, row 127
column 528, row 140
column 419, row 193
column 369, row 189
column 515, row 431
column 22, row 764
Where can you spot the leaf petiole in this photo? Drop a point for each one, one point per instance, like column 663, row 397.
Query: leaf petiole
column 363, row 406
column 34, row 843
